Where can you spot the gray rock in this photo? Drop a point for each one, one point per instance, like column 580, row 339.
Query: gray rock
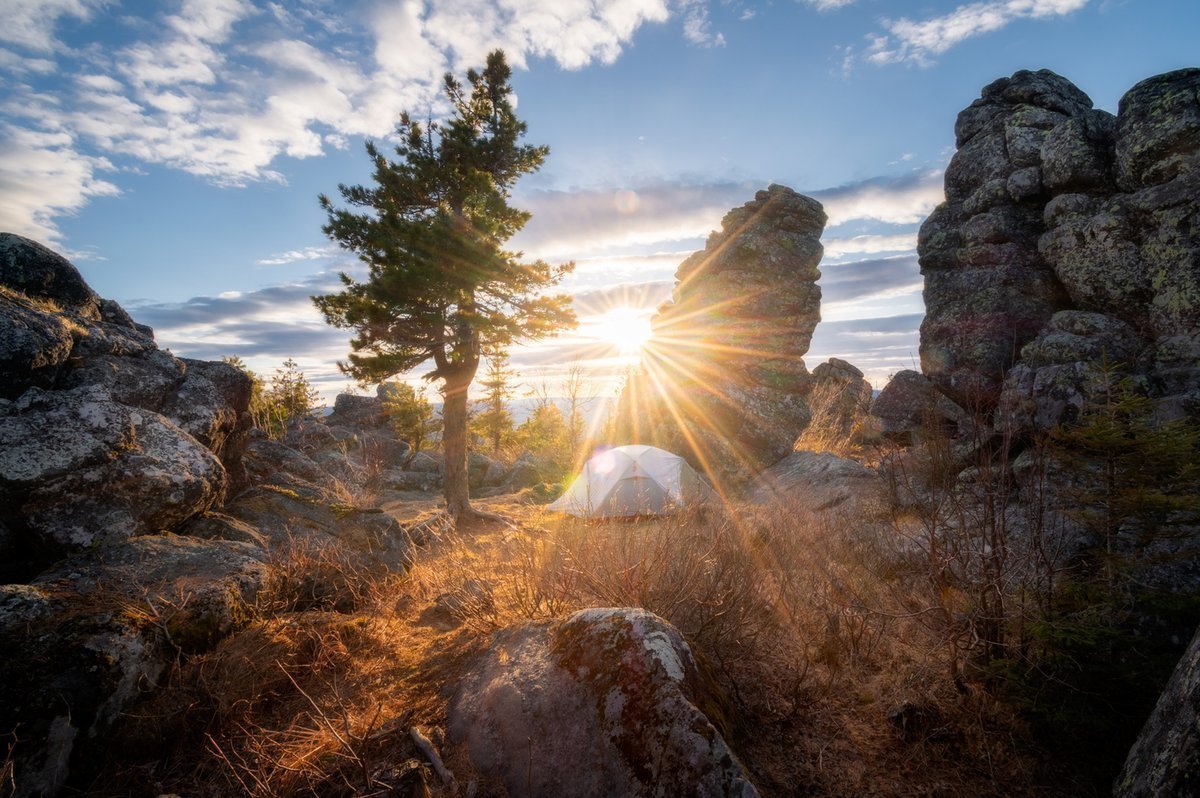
column 211, row 405
column 817, row 482
column 37, row 271
column 356, row 411
column 909, row 408
column 425, row 463
column 34, row 343
column 160, row 479
column 142, row 380
column 614, row 692
column 1165, row 758
column 99, row 631
column 1158, row 130
column 729, row 344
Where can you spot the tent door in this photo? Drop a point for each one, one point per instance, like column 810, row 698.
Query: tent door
column 635, row 495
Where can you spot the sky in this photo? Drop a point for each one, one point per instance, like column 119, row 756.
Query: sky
column 174, row 150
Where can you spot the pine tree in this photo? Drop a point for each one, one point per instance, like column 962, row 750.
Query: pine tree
column 493, row 421
column 431, row 231
column 410, row 413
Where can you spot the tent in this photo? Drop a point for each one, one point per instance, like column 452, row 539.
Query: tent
column 633, row 480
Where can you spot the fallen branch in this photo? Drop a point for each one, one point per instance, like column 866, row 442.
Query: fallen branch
column 426, row 747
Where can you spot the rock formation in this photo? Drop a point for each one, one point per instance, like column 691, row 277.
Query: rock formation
column 108, row 446
column 723, row 377
column 607, row 702
column 1165, row 760
column 1068, row 236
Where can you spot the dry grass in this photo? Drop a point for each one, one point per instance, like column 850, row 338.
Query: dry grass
column 835, row 676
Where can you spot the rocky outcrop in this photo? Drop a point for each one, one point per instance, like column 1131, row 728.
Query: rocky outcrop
column 723, row 375
column 616, row 693
column 105, row 436
column 1069, row 237
column 1165, row 759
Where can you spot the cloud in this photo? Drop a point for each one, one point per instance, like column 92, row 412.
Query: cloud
column 30, row 24
column 878, row 346
column 42, row 177
column 221, row 89
column 863, row 280
column 637, row 296
column 868, row 245
column 294, row 255
column 697, row 27
column 570, row 223
column 907, row 41
column 894, row 200
column 829, row 5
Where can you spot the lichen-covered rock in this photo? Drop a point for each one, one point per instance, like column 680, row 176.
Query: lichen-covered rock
column 1158, row 135
column 34, row 343
column 39, row 272
column 1109, row 229
column 723, row 378
column 616, row 693
column 988, row 290
column 79, row 666
column 1061, row 369
column 141, row 380
column 211, row 405
column 817, row 482
column 77, row 468
column 909, row 408
column 1165, row 758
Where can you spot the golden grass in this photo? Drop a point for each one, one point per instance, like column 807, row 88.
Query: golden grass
column 836, row 682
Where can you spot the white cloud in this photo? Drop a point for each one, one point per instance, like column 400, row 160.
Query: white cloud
column 829, row 5
column 42, row 177
column 697, row 27
column 905, row 200
column 919, row 42
column 201, row 90
column 870, row 244
column 30, row 23
column 295, row 255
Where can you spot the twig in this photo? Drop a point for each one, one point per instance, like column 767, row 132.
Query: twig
column 426, row 747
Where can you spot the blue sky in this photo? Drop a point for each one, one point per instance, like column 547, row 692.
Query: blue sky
column 175, row 149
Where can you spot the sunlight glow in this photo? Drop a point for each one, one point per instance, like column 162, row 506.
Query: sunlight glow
column 627, row 329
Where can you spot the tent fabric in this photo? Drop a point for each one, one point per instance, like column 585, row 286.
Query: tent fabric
column 632, row 480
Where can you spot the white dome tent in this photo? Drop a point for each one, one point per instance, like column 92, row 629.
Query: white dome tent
column 628, row 481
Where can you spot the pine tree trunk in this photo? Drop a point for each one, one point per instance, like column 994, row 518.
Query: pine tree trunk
column 454, row 445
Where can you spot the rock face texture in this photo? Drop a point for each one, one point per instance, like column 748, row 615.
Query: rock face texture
column 1165, row 760
column 723, row 374
column 1068, row 236
column 109, row 446
column 604, row 703
column 103, row 435
column 818, row 482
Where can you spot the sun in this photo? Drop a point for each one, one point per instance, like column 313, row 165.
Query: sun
column 626, row 329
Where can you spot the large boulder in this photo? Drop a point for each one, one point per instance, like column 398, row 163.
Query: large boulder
column 723, row 378
column 1165, row 758
column 817, row 482
column 211, row 406
column 608, row 702
column 37, row 271
column 910, row 409
column 77, row 469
